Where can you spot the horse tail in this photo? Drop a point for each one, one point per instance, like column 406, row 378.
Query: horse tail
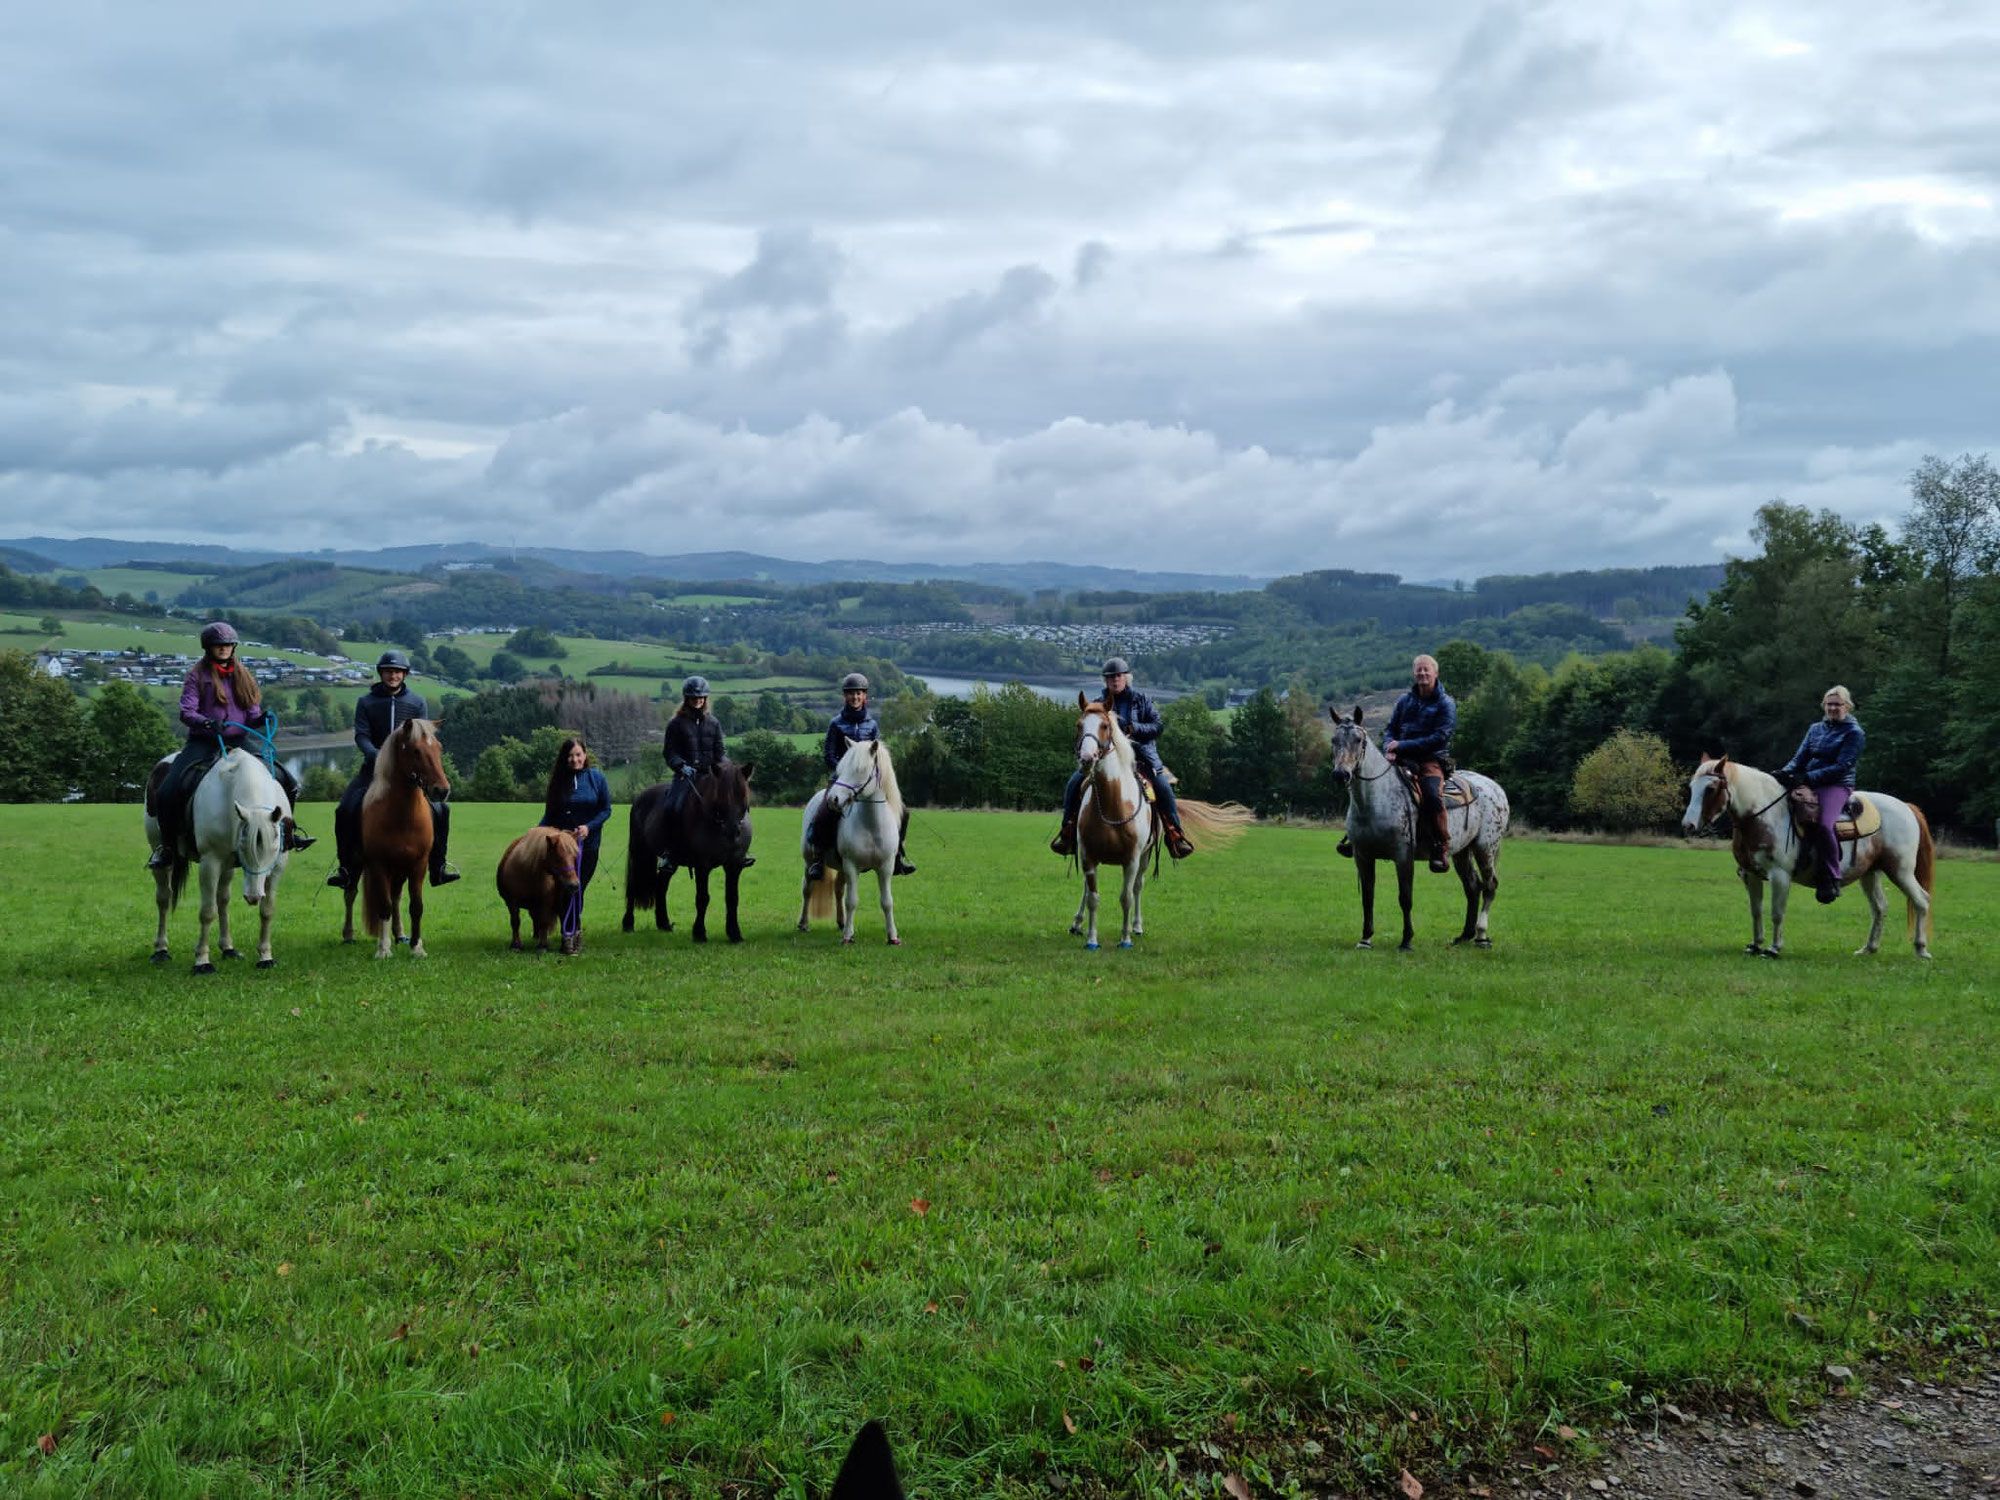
column 1926, row 871
column 177, row 879
column 642, row 866
column 1220, row 824
column 819, row 896
column 376, row 905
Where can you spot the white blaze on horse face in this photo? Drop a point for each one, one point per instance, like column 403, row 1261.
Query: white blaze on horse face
column 1089, row 744
column 1698, row 788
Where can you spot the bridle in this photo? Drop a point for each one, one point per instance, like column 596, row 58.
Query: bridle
column 873, row 777
column 1361, row 759
column 242, row 833
column 1102, row 740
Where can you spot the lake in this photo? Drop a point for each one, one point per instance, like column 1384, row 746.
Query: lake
column 1060, row 692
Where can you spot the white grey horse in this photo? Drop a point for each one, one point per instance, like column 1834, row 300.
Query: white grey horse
column 871, row 822
column 1382, row 824
column 239, row 819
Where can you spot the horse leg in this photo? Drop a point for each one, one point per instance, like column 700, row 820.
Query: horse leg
column 1753, row 884
column 701, row 903
column 805, row 903
column 882, row 876
column 1406, row 870
column 417, row 911
column 222, row 918
column 1364, row 871
column 348, row 895
column 1878, row 909
column 163, row 894
column 514, row 921
column 661, row 922
column 732, row 885
column 1488, row 856
column 211, row 877
column 1781, row 890
column 1128, row 898
column 1462, row 862
column 1082, row 900
column 266, row 910
column 1906, row 881
column 1090, row 906
column 383, row 890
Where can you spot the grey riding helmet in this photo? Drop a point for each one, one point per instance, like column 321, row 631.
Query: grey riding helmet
column 1116, row 666
column 854, row 682
column 394, row 659
column 695, row 687
column 221, row 633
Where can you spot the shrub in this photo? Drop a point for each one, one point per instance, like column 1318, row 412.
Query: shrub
column 1626, row 783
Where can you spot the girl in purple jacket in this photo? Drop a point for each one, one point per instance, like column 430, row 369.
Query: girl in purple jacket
column 220, row 704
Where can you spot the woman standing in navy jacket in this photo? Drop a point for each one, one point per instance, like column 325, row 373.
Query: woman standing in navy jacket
column 1826, row 761
column 578, row 801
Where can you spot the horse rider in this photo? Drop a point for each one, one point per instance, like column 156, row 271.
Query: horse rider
column 852, row 723
column 220, row 704
column 1419, row 740
column 376, row 714
column 1826, row 762
column 693, row 747
column 1142, row 726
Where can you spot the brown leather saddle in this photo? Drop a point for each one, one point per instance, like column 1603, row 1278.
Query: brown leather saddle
column 1858, row 820
column 1457, row 793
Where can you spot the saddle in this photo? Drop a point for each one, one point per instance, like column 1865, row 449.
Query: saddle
column 189, row 786
column 1457, row 793
column 1858, row 820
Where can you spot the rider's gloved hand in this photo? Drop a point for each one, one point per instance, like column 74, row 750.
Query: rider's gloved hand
column 687, row 772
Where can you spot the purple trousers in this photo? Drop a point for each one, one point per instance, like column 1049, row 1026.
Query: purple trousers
column 1832, row 799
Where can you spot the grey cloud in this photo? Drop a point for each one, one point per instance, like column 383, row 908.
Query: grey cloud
column 934, row 333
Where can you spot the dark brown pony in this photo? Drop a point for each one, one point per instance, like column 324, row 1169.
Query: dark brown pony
column 396, row 835
column 710, row 831
column 538, row 874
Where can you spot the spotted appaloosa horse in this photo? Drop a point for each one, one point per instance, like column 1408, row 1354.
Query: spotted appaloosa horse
column 1382, row 824
column 1115, row 824
column 396, row 835
column 1768, row 850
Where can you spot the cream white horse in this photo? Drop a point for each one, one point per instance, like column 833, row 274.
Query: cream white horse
column 1115, row 823
column 1769, row 851
column 871, row 820
column 239, row 818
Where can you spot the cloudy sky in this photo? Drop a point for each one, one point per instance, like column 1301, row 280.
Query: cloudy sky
column 1437, row 288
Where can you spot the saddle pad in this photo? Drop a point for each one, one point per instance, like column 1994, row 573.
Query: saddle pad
column 1457, row 793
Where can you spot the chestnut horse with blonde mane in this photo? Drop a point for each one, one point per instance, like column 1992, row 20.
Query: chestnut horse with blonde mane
column 1769, row 850
column 1115, row 824
column 396, row 835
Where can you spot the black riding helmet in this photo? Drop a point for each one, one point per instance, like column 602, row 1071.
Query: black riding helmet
column 1116, row 666
column 394, row 659
column 695, row 687
column 854, row 682
column 221, row 633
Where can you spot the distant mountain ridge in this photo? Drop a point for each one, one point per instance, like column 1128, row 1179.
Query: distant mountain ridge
column 689, row 567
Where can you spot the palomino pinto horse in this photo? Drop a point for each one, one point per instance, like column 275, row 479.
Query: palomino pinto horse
column 871, row 821
column 1115, row 824
column 1382, row 824
column 396, row 835
column 1768, row 849
column 239, row 818
column 712, row 830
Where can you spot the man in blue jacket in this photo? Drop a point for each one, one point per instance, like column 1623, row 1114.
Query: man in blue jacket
column 853, row 723
column 1142, row 726
column 376, row 715
column 1419, row 737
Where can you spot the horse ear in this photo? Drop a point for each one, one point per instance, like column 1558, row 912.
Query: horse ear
column 748, row 767
column 1081, row 703
column 276, row 816
column 1357, row 713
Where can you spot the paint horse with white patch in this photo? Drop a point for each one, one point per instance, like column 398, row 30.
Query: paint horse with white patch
column 871, row 820
column 1382, row 824
column 1769, row 850
column 1115, row 824
column 239, row 818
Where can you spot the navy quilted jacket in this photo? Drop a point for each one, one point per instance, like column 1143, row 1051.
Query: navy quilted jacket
column 1829, row 754
column 1422, row 727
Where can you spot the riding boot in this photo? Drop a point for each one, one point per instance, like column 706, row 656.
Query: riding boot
column 161, row 859
column 297, row 838
column 903, row 865
column 1064, row 843
column 816, row 870
column 668, row 864
column 442, row 872
column 340, row 880
column 1177, row 842
column 1345, row 848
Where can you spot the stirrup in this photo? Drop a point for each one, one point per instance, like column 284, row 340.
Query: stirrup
column 339, row 879
column 1064, row 843
column 816, row 870
column 903, row 867
column 1177, row 843
column 445, row 876
column 297, row 838
column 159, row 859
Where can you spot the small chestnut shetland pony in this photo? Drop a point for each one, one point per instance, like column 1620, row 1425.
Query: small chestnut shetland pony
column 537, row 875
column 396, row 835
column 1115, row 824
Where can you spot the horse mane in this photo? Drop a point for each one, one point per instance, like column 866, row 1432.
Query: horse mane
column 387, row 756
column 525, row 855
column 1119, row 742
column 885, row 771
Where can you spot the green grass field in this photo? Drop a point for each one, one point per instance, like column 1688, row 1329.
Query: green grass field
column 674, row 1220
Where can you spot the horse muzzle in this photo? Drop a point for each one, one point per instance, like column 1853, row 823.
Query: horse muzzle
column 1341, row 776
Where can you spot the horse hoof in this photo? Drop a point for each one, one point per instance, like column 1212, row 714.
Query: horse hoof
column 1767, row 953
column 231, row 953
column 1482, row 942
column 1406, row 947
column 847, row 942
column 1090, row 947
column 1126, row 943
column 267, row 963
column 348, row 942
column 515, row 946
column 804, row 928
column 204, row 968
column 1075, row 930
column 1364, row 943
column 160, row 955
column 895, row 942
